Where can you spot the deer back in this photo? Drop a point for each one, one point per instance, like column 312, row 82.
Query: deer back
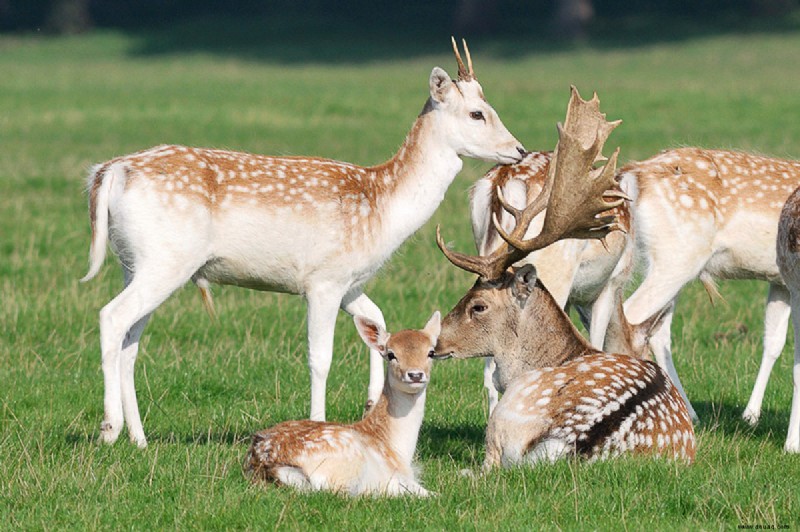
column 715, row 208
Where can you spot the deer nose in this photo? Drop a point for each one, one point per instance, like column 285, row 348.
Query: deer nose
column 416, row 376
column 522, row 151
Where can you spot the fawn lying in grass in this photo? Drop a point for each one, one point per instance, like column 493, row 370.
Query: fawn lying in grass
column 371, row 456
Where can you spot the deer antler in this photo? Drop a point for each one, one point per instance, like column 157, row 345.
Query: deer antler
column 574, row 194
column 464, row 73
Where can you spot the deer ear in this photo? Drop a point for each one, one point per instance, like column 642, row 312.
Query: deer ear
column 373, row 334
column 434, row 326
column 522, row 286
column 440, row 84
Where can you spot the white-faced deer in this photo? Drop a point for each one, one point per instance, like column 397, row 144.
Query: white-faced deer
column 373, row 455
column 710, row 214
column 302, row 225
column 788, row 251
column 561, row 396
column 579, row 272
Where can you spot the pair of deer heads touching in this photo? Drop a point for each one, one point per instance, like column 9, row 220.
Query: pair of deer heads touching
column 562, row 397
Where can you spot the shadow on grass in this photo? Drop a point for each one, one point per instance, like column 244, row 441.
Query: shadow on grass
column 462, row 443
column 726, row 417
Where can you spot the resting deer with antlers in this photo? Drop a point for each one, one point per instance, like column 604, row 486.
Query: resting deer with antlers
column 788, row 252
column 562, row 396
column 709, row 214
column 580, row 272
column 373, row 455
column 302, row 225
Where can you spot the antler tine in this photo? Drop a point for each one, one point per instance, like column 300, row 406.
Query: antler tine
column 577, row 192
column 464, row 73
column 515, row 212
column 470, row 263
column 462, row 70
column 469, row 58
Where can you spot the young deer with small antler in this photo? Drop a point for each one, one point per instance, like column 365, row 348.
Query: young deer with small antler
column 562, row 396
column 788, row 251
column 580, row 272
column 372, row 456
column 301, row 225
column 709, row 214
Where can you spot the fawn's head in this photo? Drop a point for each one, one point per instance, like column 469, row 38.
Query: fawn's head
column 409, row 353
column 472, row 126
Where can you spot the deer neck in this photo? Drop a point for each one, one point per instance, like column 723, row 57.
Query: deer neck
column 396, row 419
column 546, row 336
column 410, row 186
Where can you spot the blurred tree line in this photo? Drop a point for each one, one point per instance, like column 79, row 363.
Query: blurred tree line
column 568, row 18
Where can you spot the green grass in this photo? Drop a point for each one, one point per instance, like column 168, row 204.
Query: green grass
column 204, row 387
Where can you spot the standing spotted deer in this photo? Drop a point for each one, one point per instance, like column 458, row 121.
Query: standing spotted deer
column 302, row 225
column 372, row 456
column 709, row 214
column 788, row 251
column 580, row 272
column 562, row 396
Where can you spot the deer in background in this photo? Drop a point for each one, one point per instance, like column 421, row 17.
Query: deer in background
column 302, row 225
column 373, row 455
column 709, row 214
column 579, row 272
column 562, row 396
column 788, row 252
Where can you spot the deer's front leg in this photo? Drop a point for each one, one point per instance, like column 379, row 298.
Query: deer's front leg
column 323, row 305
column 776, row 325
column 793, row 435
column 357, row 303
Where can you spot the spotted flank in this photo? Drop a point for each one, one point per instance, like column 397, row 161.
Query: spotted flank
column 595, row 406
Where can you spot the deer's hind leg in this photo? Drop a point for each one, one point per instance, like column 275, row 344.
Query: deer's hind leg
column 122, row 321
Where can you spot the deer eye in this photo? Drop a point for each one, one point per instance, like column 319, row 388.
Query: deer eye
column 477, row 308
column 431, row 353
column 477, row 115
column 390, row 356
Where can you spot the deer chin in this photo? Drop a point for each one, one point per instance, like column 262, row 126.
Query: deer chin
column 411, row 387
column 510, row 159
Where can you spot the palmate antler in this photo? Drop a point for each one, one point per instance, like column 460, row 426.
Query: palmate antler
column 464, row 74
column 574, row 194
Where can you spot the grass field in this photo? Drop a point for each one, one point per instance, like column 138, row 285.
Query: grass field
column 205, row 387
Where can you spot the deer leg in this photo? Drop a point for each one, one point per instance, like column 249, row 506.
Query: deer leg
column 603, row 306
column 130, row 406
column 358, row 303
column 662, row 351
column 124, row 317
column 323, row 305
column 130, row 349
column 793, row 436
column 660, row 288
column 600, row 316
column 776, row 324
column 493, row 395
